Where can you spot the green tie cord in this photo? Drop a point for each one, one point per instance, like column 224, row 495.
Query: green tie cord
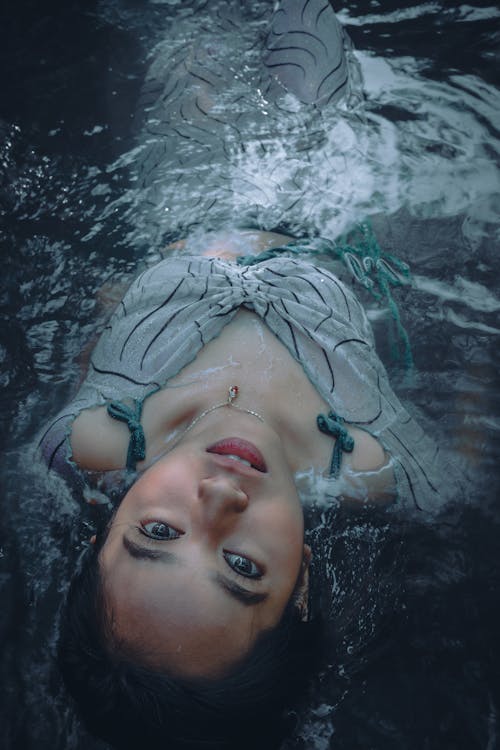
column 333, row 425
column 132, row 418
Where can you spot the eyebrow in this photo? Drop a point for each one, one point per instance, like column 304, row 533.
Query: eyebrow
column 241, row 594
column 246, row 597
column 145, row 553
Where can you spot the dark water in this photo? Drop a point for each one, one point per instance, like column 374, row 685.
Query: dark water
column 415, row 607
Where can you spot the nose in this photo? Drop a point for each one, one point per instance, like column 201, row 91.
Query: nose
column 220, row 500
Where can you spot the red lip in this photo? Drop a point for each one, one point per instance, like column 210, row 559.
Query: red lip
column 241, row 448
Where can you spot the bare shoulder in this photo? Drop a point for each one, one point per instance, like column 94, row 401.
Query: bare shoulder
column 368, row 454
column 368, row 469
column 98, row 443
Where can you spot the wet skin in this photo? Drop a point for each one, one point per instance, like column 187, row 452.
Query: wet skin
column 205, row 552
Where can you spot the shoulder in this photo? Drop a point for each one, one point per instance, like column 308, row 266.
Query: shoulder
column 367, row 472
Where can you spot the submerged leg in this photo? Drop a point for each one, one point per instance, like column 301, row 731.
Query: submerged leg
column 305, row 51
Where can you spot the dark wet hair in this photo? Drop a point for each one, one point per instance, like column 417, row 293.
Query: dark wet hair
column 130, row 706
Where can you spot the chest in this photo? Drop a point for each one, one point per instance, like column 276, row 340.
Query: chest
column 247, row 354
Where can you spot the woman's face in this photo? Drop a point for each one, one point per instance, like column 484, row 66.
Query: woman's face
column 205, row 550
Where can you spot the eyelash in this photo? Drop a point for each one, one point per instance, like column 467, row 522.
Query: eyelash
column 143, row 530
column 255, row 576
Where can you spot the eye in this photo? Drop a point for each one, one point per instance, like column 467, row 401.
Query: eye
column 159, row 530
column 242, row 565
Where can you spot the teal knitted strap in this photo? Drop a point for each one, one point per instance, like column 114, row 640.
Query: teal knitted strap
column 377, row 272
column 333, row 425
column 132, row 418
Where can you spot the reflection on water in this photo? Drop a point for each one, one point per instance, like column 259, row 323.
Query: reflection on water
column 91, row 185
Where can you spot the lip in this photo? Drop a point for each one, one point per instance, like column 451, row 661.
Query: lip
column 234, row 446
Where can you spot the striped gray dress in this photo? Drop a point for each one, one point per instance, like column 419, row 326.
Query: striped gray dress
column 176, row 307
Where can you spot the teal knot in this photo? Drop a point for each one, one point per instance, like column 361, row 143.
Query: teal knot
column 333, row 425
column 132, row 418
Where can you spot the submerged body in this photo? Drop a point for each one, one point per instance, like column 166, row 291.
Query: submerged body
column 205, row 556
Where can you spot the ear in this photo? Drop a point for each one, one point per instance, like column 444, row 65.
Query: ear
column 93, row 539
column 302, row 589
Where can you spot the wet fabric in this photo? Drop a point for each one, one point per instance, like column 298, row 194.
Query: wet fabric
column 214, row 146
column 176, row 307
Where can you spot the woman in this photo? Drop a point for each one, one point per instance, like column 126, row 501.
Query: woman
column 219, row 392
column 216, row 386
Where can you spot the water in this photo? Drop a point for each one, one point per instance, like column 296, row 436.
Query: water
column 415, row 607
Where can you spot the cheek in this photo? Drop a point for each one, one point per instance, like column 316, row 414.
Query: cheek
column 164, row 481
column 282, row 529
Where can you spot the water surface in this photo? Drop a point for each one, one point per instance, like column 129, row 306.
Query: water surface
column 85, row 196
